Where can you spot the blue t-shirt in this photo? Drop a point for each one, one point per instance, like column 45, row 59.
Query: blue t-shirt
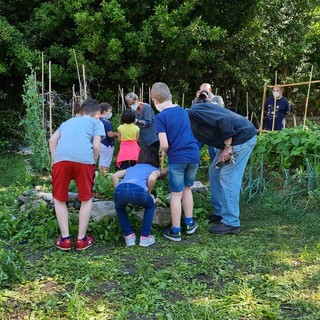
column 75, row 143
column 139, row 174
column 107, row 141
column 183, row 146
column 282, row 109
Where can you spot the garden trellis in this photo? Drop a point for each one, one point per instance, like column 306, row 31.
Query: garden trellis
column 309, row 83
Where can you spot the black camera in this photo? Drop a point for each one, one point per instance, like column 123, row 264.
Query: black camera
column 203, row 95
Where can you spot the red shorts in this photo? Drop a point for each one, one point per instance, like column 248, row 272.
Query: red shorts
column 65, row 171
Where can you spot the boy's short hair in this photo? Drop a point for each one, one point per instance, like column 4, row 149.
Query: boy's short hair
column 128, row 116
column 77, row 106
column 161, row 92
column 90, row 107
column 105, row 106
column 149, row 155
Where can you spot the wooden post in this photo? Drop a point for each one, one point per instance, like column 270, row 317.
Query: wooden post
column 162, row 160
column 247, row 104
column 142, row 89
column 183, row 100
column 42, row 87
column 80, row 86
column 50, row 101
column 73, row 99
column 262, row 107
column 307, row 101
column 293, row 84
column 84, row 82
column 122, row 97
column 274, row 103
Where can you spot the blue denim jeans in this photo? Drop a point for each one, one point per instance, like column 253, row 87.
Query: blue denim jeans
column 181, row 175
column 225, row 184
column 131, row 193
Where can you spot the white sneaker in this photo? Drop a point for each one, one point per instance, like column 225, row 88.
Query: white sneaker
column 130, row 240
column 147, row 241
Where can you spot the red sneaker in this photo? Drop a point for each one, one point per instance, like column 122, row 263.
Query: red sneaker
column 82, row 245
column 64, row 245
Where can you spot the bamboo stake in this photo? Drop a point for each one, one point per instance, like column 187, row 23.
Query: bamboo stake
column 183, row 100
column 122, row 97
column 294, row 120
column 262, row 107
column 142, row 91
column 73, row 99
column 247, row 104
column 134, row 89
column 293, row 84
column 84, row 82
column 80, row 86
column 307, row 101
column 216, row 92
column 140, row 94
column 162, row 161
column 251, row 118
column 274, row 102
column 50, row 101
column 42, row 87
column 149, row 96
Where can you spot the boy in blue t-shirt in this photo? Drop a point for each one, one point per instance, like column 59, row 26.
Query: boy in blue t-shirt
column 75, row 147
column 176, row 138
column 107, row 144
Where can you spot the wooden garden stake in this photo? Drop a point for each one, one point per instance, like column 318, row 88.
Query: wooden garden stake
column 216, row 92
column 84, row 82
column 293, row 84
column 149, row 96
column 162, row 161
column 275, row 103
column 73, row 99
column 307, row 101
column 247, row 104
column 122, row 98
column 183, row 100
column 142, row 88
column 80, row 86
column 42, row 87
column 50, row 101
column 262, row 107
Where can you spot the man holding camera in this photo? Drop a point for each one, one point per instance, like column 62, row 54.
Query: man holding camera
column 205, row 95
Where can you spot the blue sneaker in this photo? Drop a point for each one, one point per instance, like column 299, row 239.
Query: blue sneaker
column 167, row 233
column 193, row 228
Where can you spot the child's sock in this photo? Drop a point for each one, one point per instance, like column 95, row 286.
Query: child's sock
column 175, row 229
column 65, row 238
column 188, row 221
column 84, row 238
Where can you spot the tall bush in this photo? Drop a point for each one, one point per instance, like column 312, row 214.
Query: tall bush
column 35, row 133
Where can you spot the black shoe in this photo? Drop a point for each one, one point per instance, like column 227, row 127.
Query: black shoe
column 222, row 228
column 214, row 218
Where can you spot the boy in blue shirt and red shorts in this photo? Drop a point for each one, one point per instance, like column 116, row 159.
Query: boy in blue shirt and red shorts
column 75, row 148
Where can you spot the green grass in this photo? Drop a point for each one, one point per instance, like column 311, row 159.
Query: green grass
column 270, row 271
column 13, row 169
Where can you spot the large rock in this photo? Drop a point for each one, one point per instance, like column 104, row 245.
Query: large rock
column 101, row 209
column 162, row 216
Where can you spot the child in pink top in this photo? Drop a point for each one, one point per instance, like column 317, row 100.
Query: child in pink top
column 128, row 135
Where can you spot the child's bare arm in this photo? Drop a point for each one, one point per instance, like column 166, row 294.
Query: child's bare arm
column 152, row 179
column 96, row 147
column 112, row 134
column 164, row 146
column 118, row 175
column 53, row 142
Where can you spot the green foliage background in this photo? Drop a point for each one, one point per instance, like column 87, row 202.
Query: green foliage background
column 236, row 45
